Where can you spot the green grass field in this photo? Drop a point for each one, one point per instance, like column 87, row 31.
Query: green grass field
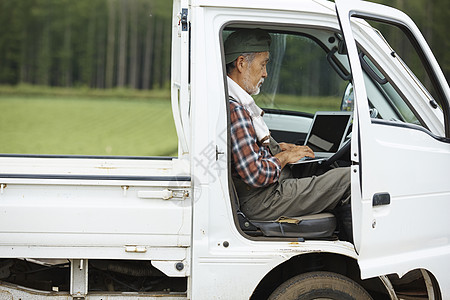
column 76, row 122
column 79, row 121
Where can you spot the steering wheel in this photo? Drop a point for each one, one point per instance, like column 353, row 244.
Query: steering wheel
column 336, row 156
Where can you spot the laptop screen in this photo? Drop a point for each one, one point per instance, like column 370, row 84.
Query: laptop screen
column 328, row 131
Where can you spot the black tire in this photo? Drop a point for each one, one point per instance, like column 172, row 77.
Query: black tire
column 320, row 285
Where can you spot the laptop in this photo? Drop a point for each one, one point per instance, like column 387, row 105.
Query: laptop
column 327, row 134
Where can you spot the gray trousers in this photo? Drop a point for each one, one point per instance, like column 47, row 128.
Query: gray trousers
column 293, row 197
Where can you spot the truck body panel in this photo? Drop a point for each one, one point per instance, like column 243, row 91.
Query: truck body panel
column 175, row 220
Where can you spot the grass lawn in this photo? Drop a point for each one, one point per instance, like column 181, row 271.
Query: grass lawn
column 80, row 121
column 86, row 125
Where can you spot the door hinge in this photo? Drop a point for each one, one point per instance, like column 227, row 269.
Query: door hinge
column 218, row 152
column 184, row 19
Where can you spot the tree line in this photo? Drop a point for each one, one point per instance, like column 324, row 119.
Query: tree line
column 126, row 43
column 93, row 43
column 433, row 19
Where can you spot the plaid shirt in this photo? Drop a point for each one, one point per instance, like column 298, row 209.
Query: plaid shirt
column 251, row 162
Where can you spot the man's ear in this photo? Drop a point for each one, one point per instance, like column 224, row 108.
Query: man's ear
column 241, row 64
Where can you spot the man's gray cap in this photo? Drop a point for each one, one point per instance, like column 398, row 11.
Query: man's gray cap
column 246, row 41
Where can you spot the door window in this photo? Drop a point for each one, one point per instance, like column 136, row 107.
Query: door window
column 384, row 100
column 306, row 74
column 300, row 77
column 416, row 87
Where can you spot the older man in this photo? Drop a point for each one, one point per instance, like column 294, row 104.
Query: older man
column 260, row 166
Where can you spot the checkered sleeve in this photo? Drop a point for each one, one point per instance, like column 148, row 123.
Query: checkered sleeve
column 253, row 163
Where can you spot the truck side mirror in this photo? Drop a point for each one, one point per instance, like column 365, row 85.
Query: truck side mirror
column 348, row 99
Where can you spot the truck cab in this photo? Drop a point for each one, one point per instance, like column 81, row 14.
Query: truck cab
column 132, row 227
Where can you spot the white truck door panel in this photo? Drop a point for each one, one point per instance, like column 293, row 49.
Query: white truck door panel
column 400, row 190
column 42, row 212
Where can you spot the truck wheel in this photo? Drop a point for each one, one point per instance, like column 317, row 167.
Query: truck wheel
column 320, row 285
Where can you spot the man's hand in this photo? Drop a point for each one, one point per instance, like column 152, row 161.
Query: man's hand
column 286, row 146
column 292, row 153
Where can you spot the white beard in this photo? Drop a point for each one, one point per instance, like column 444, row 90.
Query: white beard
column 252, row 90
column 258, row 87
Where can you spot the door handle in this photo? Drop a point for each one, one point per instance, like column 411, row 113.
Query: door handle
column 381, row 199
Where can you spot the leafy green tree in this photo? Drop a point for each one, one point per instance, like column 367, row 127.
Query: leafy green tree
column 109, row 43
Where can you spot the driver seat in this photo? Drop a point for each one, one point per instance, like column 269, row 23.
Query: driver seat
column 316, row 226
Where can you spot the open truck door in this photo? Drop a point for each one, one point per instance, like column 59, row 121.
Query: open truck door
column 400, row 220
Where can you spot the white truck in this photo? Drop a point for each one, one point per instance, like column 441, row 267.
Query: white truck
column 91, row 227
